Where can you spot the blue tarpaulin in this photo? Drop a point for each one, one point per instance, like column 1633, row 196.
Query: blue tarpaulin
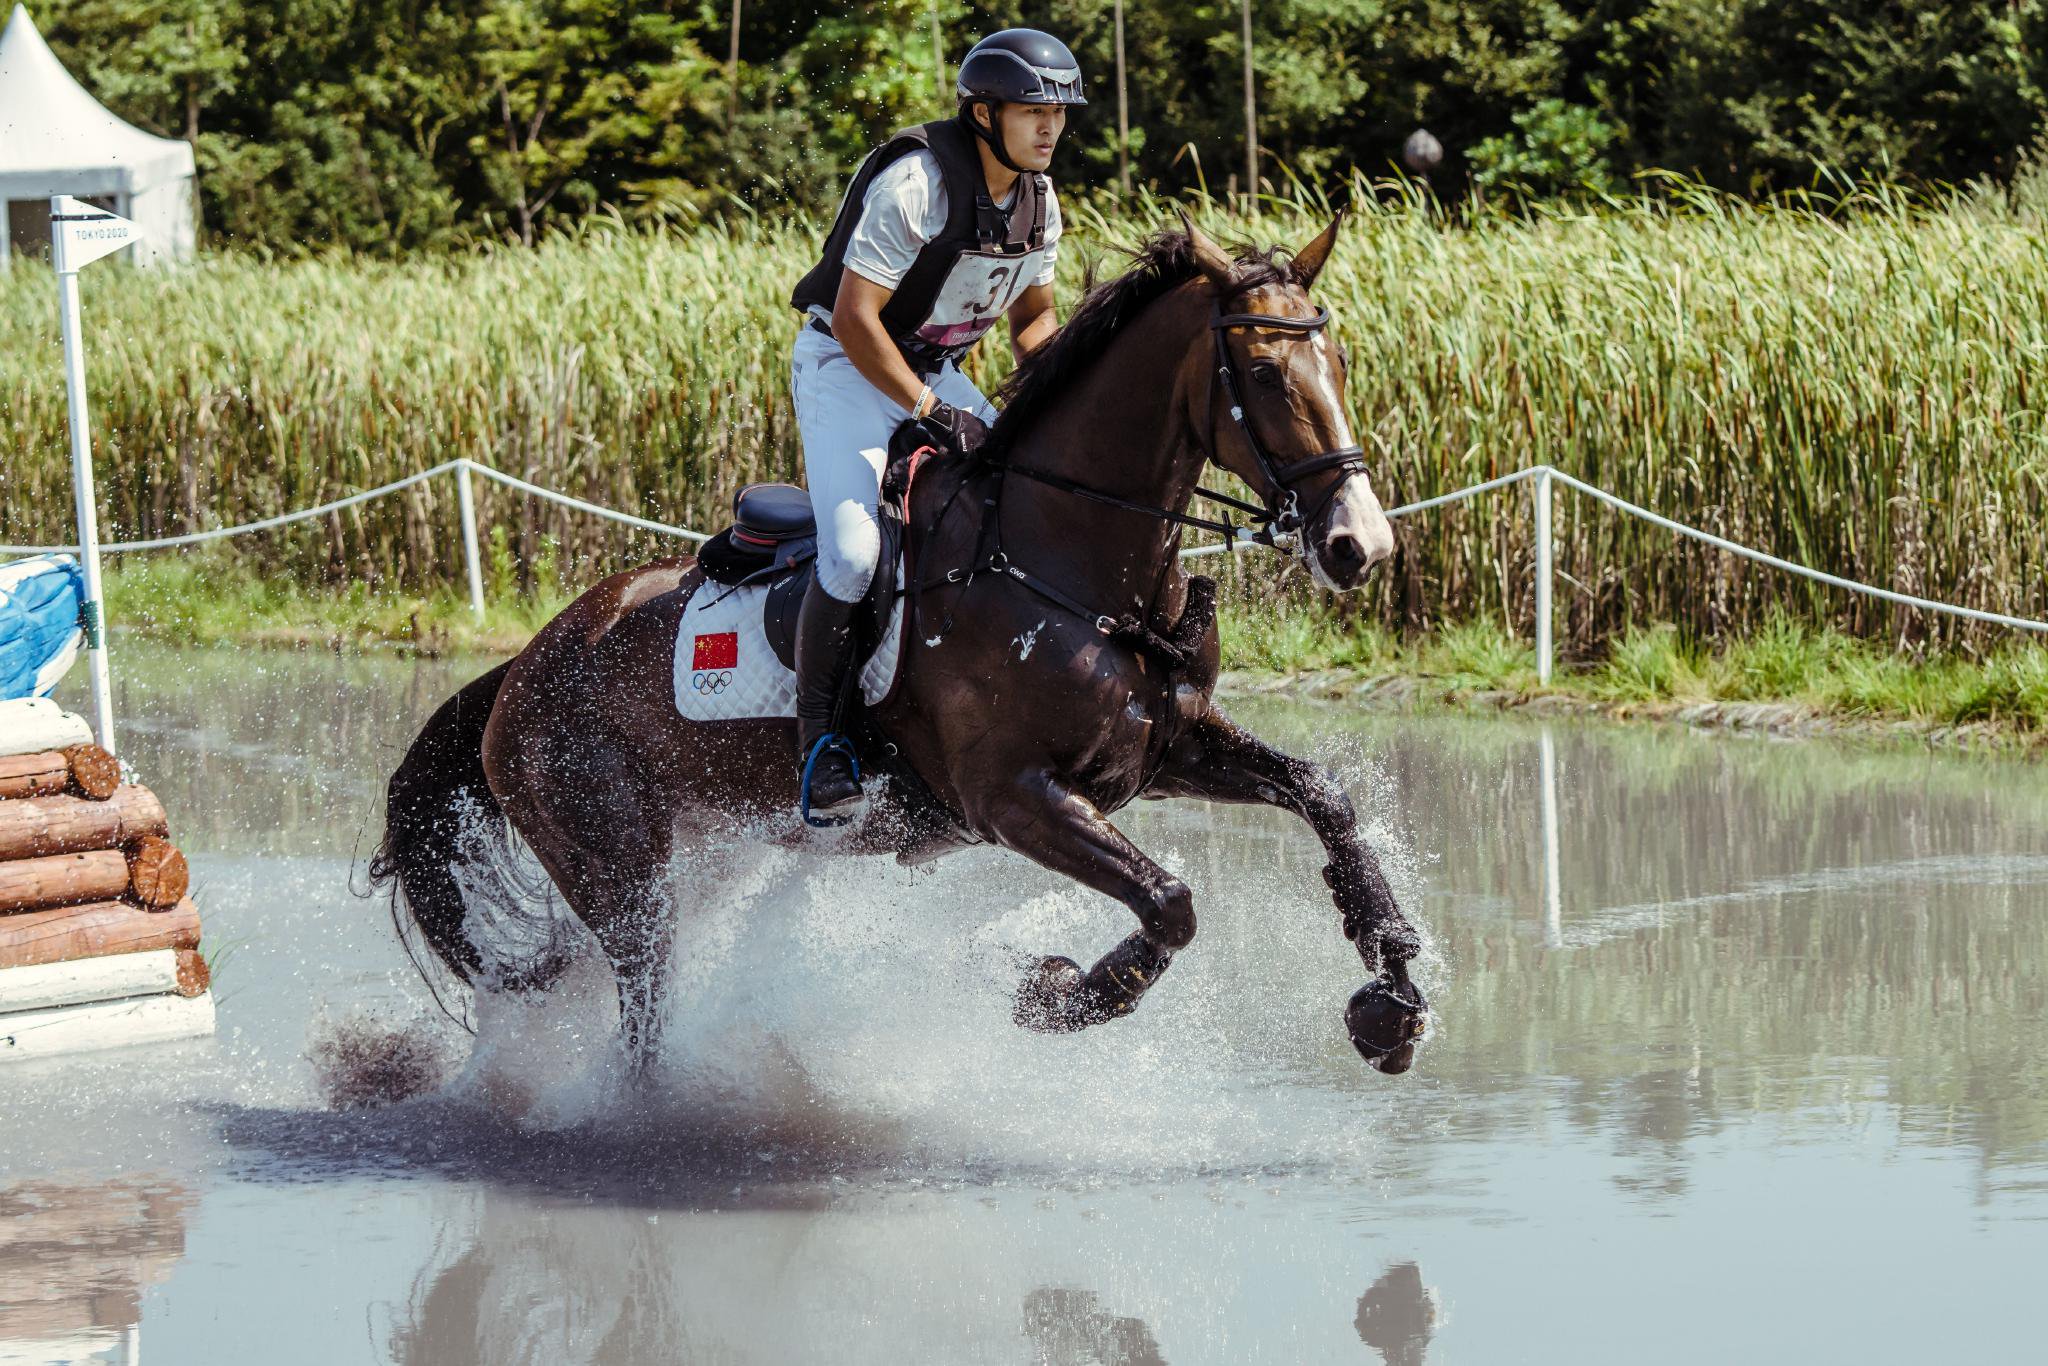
column 39, row 627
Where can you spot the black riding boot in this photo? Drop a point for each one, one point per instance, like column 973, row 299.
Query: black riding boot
column 824, row 661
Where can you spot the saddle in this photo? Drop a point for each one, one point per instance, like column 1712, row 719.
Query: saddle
column 771, row 530
column 773, row 542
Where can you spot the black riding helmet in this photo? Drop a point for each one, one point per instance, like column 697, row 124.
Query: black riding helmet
column 1016, row 66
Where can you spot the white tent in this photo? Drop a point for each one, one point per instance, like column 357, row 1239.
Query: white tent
column 57, row 139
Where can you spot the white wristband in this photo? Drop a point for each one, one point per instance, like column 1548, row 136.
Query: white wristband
column 917, row 408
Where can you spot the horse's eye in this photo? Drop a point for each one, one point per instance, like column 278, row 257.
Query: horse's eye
column 1344, row 356
column 1266, row 373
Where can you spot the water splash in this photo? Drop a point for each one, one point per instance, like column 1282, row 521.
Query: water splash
column 848, row 1011
column 364, row 1061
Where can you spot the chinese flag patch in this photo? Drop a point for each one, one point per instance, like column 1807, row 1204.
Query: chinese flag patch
column 721, row 651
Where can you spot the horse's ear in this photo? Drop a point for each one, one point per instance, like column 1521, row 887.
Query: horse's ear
column 1210, row 259
column 1309, row 261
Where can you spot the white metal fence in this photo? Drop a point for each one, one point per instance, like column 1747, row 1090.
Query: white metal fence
column 1543, row 478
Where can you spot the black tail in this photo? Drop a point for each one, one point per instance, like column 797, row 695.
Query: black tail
column 439, row 814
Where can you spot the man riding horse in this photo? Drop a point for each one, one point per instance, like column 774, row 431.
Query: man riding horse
column 945, row 228
column 1052, row 660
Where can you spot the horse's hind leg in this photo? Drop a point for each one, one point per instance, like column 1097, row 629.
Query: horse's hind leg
column 604, row 833
column 634, row 921
column 1065, row 832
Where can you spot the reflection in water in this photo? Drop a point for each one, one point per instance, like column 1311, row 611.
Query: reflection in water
column 1745, row 928
column 529, row 1282
column 1397, row 1316
column 516, row 1301
column 1553, row 899
column 557, row 1284
column 1071, row 1328
column 74, row 1261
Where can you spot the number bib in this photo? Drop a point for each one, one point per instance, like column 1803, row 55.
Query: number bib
column 979, row 289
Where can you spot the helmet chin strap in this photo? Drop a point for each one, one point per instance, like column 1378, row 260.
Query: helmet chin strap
column 992, row 135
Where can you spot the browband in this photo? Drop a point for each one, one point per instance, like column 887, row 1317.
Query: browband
column 1320, row 321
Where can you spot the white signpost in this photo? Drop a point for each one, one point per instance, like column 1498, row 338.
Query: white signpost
column 80, row 234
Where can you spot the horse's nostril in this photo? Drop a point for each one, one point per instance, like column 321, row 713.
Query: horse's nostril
column 1346, row 553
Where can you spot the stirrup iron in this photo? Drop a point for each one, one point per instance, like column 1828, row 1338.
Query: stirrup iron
column 831, row 740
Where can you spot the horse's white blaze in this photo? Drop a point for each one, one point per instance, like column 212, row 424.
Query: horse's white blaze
column 1328, row 400
column 1355, row 510
column 1359, row 513
column 1344, row 430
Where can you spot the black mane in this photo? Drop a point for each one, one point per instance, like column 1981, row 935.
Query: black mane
column 1165, row 260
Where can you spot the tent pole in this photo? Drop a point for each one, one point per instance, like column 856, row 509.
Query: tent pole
column 81, row 485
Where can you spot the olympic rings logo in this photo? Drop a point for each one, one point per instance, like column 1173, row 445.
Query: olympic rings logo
column 713, row 681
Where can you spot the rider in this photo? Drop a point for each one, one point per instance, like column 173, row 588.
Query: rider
column 945, row 228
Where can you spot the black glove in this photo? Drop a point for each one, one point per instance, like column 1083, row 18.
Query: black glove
column 955, row 429
column 945, row 428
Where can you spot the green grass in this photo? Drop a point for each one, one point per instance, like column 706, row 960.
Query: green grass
column 217, row 953
column 211, row 600
column 1784, row 661
column 1832, row 672
column 1856, row 385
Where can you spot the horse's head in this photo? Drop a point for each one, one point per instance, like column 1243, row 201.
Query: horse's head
column 1276, row 413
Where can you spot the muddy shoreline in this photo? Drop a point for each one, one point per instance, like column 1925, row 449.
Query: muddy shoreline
column 1405, row 692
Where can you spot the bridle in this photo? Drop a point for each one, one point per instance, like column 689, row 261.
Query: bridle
column 1278, row 513
column 1351, row 459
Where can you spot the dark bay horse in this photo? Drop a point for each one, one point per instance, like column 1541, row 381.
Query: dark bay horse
column 1059, row 664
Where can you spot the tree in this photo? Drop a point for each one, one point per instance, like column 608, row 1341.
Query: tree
column 162, row 61
column 1557, row 150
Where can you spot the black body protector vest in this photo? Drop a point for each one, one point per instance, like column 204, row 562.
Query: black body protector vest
column 964, row 278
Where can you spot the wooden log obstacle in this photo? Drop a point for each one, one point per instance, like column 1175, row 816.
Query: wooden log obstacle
column 99, row 941
column 81, row 770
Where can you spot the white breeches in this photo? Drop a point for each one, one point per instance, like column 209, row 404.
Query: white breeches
column 846, row 424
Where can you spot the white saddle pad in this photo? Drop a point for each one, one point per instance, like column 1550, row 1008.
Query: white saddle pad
column 727, row 671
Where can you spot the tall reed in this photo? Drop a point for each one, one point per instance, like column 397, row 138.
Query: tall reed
column 1850, row 385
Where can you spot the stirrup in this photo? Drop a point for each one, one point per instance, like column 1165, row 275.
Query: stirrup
column 828, row 741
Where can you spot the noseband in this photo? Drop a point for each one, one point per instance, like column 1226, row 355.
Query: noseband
column 1279, row 512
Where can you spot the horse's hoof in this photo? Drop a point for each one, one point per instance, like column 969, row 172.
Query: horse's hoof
column 1384, row 1021
column 1045, row 999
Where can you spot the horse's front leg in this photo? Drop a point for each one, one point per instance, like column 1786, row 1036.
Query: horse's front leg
column 1218, row 762
column 1040, row 818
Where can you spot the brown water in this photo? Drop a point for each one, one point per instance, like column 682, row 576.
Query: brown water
column 1766, row 1081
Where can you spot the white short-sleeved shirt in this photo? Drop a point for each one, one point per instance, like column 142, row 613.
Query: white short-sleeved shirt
column 905, row 208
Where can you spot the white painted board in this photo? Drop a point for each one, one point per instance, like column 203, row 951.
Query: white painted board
column 107, row 1024
column 31, row 724
column 119, row 975
column 113, row 1346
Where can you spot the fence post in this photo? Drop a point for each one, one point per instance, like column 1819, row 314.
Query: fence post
column 467, row 499
column 1541, row 487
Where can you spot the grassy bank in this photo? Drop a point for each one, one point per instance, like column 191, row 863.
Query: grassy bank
column 1858, row 388
column 213, row 601
column 2002, row 695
